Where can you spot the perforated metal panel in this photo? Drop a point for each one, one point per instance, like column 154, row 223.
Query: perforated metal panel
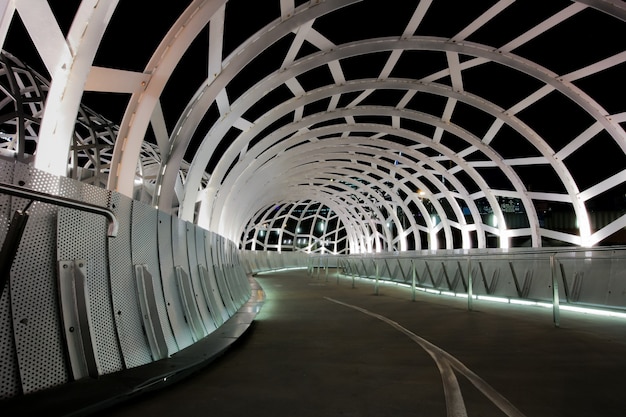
column 82, row 235
column 235, row 286
column 235, row 281
column 188, row 301
column 214, row 300
column 242, row 290
column 243, row 279
column 145, row 252
column 135, row 348
column 232, row 284
column 225, row 291
column 217, row 279
column 171, row 292
column 199, row 257
column 190, row 259
column 78, row 327
column 34, row 294
column 216, row 254
column 617, row 293
column 149, row 313
column 9, row 375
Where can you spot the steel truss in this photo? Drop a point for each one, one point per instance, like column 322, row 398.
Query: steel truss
column 393, row 186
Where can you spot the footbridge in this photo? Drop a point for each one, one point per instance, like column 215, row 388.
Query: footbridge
column 420, row 205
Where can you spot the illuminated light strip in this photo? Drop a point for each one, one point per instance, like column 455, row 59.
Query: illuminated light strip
column 522, row 302
column 504, row 300
column 593, row 311
column 291, row 268
column 493, row 299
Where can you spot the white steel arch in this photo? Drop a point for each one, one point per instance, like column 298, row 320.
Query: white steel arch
column 250, row 198
column 562, row 172
column 550, row 79
column 315, row 165
column 299, row 236
column 225, row 72
column 352, row 146
column 69, row 60
column 310, row 46
column 359, row 227
column 418, row 139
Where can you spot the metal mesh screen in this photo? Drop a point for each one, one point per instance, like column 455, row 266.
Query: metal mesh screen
column 220, row 312
column 179, row 246
column 83, row 236
column 34, row 297
column 180, row 326
column 10, row 381
column 144, row 242
column 134, row 346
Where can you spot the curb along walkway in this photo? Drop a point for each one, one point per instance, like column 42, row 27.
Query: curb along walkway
column 321, row 348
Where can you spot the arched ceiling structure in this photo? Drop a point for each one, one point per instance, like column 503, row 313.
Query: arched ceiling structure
column 431, row 123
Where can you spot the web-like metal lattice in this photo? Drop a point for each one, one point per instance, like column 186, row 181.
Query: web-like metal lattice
column 496, row 125
column 23, row 98
column 308, row 227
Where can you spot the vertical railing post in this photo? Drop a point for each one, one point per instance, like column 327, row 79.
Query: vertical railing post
column 326, row 268
column 319, row 266
column 555, row 292
column 352, row 268
column 413, row 276
column 470, row 285
column 377, row 277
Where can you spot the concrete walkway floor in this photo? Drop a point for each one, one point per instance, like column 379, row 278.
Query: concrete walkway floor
column 322, row 348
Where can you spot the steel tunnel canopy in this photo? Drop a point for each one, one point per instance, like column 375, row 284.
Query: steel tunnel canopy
column 337, row 126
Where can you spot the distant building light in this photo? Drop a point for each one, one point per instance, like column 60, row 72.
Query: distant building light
column 494, row 220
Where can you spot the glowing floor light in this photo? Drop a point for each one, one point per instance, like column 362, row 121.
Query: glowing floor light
column 505, row 300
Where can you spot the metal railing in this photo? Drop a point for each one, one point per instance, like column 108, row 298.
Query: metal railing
column 20, row 218
column 26, row 193
column 559, row 277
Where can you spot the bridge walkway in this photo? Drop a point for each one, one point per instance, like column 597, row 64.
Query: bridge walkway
column 322, row 348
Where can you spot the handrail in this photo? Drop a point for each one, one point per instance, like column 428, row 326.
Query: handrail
column 18, row 191
column 554, row 257
column 495, row 253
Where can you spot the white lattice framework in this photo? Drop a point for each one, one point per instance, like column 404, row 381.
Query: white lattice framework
column 303, row 144
column 24, row 94
column 308, row 227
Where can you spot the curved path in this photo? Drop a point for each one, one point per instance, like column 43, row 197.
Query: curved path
column 321, row 348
